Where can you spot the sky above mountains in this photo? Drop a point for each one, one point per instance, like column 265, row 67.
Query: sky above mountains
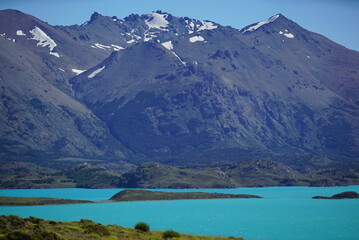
column 335, row 19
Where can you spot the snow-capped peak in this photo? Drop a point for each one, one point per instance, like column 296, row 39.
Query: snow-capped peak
column 260, row 24
column 157, row 20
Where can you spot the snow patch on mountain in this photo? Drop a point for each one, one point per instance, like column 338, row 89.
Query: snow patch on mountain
column 112, row 47
column 54, row 54
column 190, row 26
column 101, row 46
column 116, row 47
column 77, row 71
column 206, row 26
column 286, row 33
column 43, row 40
column 260, row 24
column 10, row 39
column 20, row 33
column 157, row 20
column 168, row 45
column 183, row 62
column 94, row 73
column 196, row 39
column 197, row 26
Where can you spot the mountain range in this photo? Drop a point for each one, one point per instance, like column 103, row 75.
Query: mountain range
column 175, row 90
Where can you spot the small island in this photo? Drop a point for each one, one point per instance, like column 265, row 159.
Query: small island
column 33, row 201
column 343, row 195
column 145, row 195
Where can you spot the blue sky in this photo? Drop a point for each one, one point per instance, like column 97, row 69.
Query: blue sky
column 335, row 19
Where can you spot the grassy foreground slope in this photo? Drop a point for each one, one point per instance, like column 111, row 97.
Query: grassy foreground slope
column 13, row 227
column 144, row 195
column 32, row 201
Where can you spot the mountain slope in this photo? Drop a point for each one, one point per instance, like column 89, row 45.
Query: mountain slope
column 158, row 86
column 219, row 88
column 39, row 117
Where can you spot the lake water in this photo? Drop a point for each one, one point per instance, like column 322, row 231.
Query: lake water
column 285, row 213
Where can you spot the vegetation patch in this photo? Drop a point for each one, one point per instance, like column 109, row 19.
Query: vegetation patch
column 142, row 226
column 13, row 227
column 170, row 234
column 31, row 201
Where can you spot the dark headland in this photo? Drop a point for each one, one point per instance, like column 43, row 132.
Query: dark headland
column 144, row 195
column 33, row 201
column 342, row 195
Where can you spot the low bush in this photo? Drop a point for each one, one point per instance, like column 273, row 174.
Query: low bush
column 170, row 234
column 96, row 228
column 16, row 221
column 142, row 226
column 34, row 220
column 45, row 235
column 3, row 223
column 18, row 236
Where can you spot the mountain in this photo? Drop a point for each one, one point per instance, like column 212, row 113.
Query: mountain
column 156, row 86
column 39, row 115
column 253, row 173
column 271, row 85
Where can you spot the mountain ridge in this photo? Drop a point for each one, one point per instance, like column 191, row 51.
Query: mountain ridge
column 155, row 85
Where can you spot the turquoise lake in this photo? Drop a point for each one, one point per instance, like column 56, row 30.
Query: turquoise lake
column 285, row 213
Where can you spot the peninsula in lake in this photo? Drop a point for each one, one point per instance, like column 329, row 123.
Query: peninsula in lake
column 343, row 195
column 144, row 195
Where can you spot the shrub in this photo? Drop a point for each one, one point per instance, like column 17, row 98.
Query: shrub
column 34, row 220
column 16, row 221
column 18, row 236
column 170, row 234
column 142, row 226
column 97, row 229
column 3, row 223
column 45, row 235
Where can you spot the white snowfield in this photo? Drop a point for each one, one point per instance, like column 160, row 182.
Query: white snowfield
column 77, row 71
column 113, row 47
column 20, row 33
column 43, row 40
column 169, row 46
column 286, row 33
column 55, row 54
column 205, row 25
column 157, row 20
column 94, row 73
column 116, row 47
column 260, row 24
column 196, row 39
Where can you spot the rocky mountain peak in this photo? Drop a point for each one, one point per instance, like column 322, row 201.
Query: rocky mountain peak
column 276, row 21
column 159, row 85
